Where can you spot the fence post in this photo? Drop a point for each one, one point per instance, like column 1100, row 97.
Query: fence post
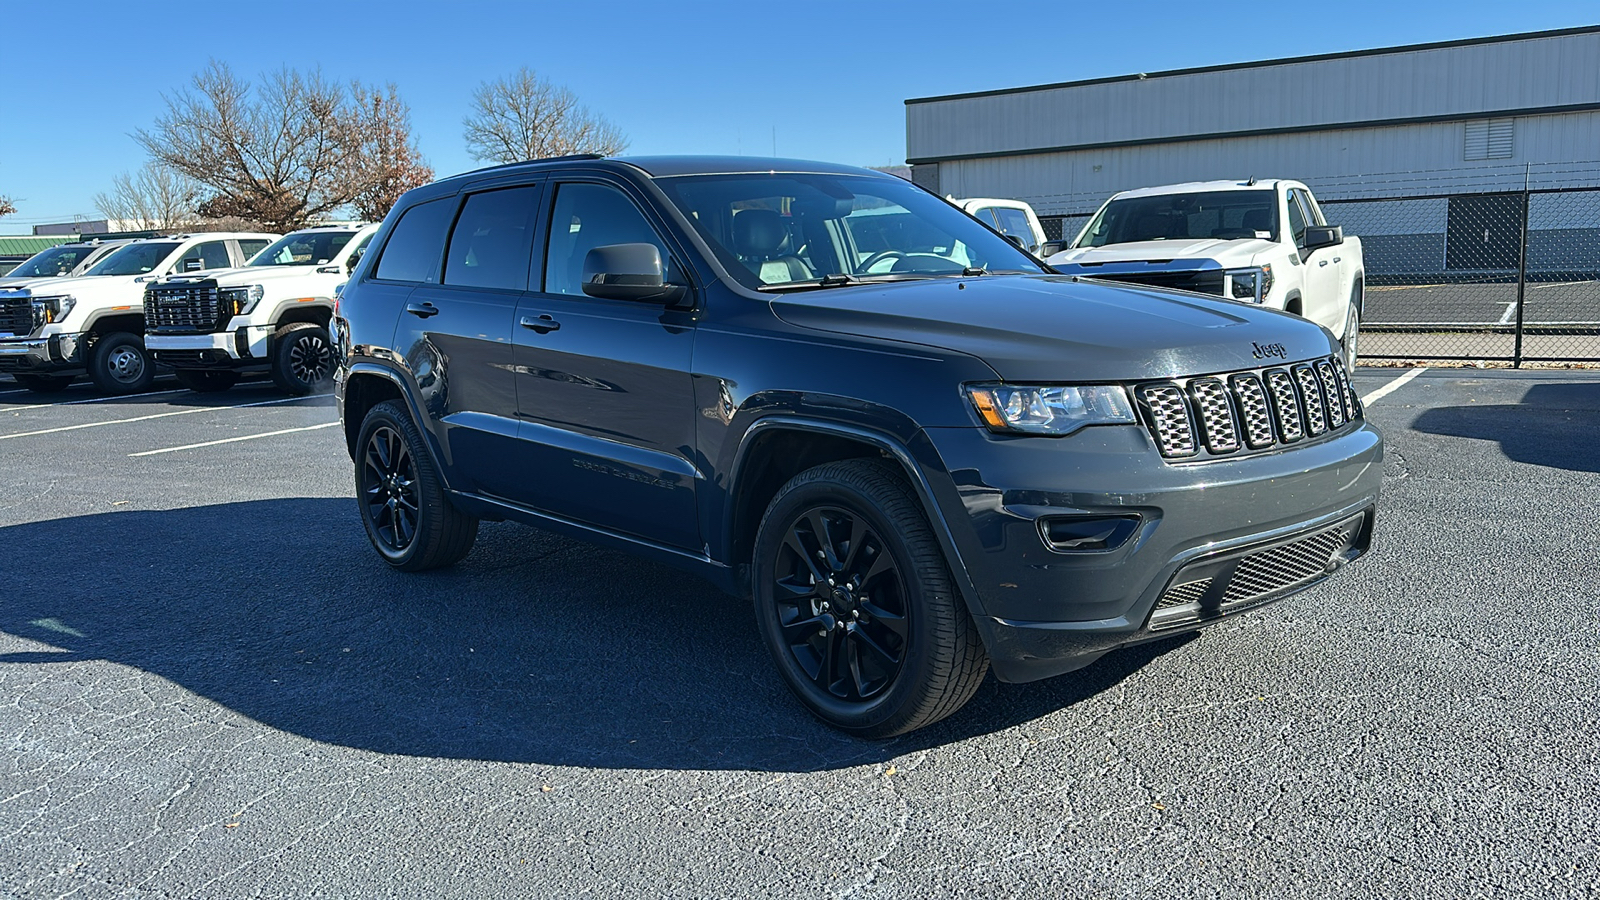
column 1522, row 268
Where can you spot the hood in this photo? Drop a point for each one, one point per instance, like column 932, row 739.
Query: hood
column 244, row 275
column 18, row 282
column 1236, row 252
column 1058, row 328
column 76, row 286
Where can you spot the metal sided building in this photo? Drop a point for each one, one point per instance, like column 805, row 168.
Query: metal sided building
column 1460, row 127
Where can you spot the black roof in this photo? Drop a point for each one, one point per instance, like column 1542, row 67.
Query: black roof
column 663, row 166
column 1288, row 60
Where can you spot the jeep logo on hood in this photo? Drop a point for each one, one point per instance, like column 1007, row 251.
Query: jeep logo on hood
column 1262, row 351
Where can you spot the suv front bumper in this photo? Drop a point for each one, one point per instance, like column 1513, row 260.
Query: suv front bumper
column 41, row 354
column 1211, row 538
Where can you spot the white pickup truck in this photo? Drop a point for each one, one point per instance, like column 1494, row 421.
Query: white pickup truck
column 60, row 261
column 1261, row 242
column 268, row 316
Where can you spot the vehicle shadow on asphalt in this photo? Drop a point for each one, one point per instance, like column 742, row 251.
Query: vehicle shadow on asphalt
column 1555, row 425
column 536, row 649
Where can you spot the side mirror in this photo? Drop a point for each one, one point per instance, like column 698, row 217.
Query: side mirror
column 1319, row 236
column 192, row 265
column 330, row 270
column 1051, row 248
column 628, row 272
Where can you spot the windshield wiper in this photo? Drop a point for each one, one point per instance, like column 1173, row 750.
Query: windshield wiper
column 840, row 279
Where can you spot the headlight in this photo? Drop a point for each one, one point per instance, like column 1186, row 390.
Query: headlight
column 1056, row 410
column 53, row 309
column 242, row 299
column 1243, row 283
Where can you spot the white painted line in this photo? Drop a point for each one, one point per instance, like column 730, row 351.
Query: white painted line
column 233, row 440
column 1511, row 310
column 181, row 412
column 95, row 400
column 1391, row 387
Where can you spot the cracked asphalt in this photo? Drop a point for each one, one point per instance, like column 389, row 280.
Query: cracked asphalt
column 210, row 686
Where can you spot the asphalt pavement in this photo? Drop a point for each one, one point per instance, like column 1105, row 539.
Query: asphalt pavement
column 214, row 688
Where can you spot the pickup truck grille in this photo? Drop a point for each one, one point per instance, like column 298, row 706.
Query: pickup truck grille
column 183, row 309
column 1208, row 281
column 1224, row 415
column 17, row 316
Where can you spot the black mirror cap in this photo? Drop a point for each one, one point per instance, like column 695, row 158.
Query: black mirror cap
column 1017, row 239
column 628, row 272
column 1318, row 236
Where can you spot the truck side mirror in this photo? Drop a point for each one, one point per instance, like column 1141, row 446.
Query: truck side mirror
column 1319, row 236
column 628, row 272
column 1051, row 248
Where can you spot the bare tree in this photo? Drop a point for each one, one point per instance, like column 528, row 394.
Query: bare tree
column 282, row 157
column 523, row 116
column 156, row 197
column 387, row 160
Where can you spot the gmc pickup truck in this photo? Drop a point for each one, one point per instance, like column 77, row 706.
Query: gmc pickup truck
column 1262, row 242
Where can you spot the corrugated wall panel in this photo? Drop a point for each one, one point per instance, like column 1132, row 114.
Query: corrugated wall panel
column 1458, row 81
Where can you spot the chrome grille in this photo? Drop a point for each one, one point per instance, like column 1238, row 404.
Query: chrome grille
column 1288, row 565
column 1253, row 406
column 1221, row 415
column 177, row 308
column 1184, row 594
column 1311, row 400
column 1330, row 390
column 17, row 316
column 1170, row 421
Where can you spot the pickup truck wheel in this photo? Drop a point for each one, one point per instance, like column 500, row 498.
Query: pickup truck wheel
column 856, row 606
column 1352, row 335
column 202, row 381
column 302, row 358
column 44, row 384
column 408, row 517
column 119, row 364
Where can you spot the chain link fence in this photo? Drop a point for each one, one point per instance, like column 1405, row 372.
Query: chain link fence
column 1491, row 264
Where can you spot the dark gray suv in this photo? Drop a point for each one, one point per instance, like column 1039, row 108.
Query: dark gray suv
column 919, row 451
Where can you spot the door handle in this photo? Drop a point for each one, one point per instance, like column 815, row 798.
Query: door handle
column 543, row 324
column 1336, row 259
column 1322, row 262
column 422, row 310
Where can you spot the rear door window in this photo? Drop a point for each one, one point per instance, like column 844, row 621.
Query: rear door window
column 492, row 240
column 416, row 246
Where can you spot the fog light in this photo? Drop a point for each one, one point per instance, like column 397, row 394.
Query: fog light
column 1087, row 534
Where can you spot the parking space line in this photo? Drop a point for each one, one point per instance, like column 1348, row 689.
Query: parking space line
column 94, row 400
column 1391, row 387
column 234, row 440
column 1505, row 317
column 181, row 412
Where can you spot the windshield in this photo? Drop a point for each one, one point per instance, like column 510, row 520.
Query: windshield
column 134, row 259
column 797, row 229
column 309, row 248
column 1226, row 215
column 52, row 262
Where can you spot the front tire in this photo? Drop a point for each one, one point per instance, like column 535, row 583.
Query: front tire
column 1352, row 331
column 45, row 384
column 855, row 603
column 203, row 381
column 302, row 358
column 119, row 364
column 407, row 514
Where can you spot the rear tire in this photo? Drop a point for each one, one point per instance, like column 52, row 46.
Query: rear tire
column 302, row 358
column 407, row 514
column 855, row 603
column 204, row 381
column 45, row 384
column 119, row 364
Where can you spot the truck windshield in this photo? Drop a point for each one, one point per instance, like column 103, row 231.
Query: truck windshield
column 788, row 229
column 52, row 262
column 134, row 259
column 1224, row 215
column 309, row 248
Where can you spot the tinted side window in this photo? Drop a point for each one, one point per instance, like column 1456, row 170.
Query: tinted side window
column 356, row 254
column 417, row 243
column 251, row 246
column 587, row 216
column 1297, row 221
column 492, row 240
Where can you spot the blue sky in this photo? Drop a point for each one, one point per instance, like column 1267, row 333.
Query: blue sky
column 818, row 79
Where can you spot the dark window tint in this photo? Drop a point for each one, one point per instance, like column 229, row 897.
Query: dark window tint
column 1297, row 221
column 356, row 254
column 211, row 255
column 52, row 262
column 492, row 240
column 587, row 216
column 251, row 246
column 413, row 250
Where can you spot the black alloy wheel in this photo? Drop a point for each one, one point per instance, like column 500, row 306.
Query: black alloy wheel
column 856, row 604
column 841, row 601
column 302, row 358
column 404, row 506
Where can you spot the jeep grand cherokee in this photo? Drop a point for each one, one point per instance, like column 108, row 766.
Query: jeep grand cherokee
column 917, row 450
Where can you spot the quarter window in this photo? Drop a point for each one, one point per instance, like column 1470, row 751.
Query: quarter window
column 587, row 216
column 412, row 251
column 492, row 240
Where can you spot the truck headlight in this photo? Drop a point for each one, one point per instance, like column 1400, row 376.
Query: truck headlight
column 241, row 299
column 53, row 309
column 1050, row 409
column 1243, row 283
